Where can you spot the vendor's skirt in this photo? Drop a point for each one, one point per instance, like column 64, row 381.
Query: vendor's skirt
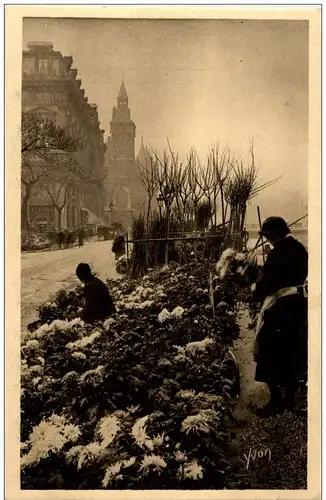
column 283, row 342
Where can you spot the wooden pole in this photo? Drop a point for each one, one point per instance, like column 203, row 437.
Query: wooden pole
column 262, row 239
column 211, row 291
column 127, row 248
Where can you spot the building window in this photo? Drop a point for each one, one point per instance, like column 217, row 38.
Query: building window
column 29, row 65
column 42, row 96
column 26, row 95
column 55, row 66
column 43, row 66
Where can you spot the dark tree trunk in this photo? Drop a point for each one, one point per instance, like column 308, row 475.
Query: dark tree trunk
column 59, row 210
column 24, row 208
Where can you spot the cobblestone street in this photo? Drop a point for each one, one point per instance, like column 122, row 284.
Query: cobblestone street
column 44, row 273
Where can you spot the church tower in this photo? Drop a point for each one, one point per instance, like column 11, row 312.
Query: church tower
column 126, row 194
column 123, row 129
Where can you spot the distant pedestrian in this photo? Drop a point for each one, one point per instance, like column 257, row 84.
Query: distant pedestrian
column 81, row 235
column 61, row 238
column 118, row 247
column 98, row 301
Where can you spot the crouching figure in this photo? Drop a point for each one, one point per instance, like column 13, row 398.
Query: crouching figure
column 98, row 301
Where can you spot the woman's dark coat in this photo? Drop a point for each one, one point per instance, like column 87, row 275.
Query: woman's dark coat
column 282, row 341
column 98, row 302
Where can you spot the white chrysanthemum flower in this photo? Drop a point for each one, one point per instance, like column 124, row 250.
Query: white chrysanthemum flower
column 180, row 456
column 163, row 316
column 186, row 394
column 222, row 265
column 201, row 422
column 111, row 473
column 58, row 325
column 24, row 371
column 227, row 254
column 36, row 380
column 70, row 376
column 152, row 462
column 133, row 409
column 84, row 341
column 36, row 369
column 78, row 355
column 181, row 358
column 149, row 444
column 193, row 470
column 177, row 312
column 49, row 436
column 108, row 429
column 89, row 454
column 210, row 399
column 202, row 345
column 42, row 330
column 158, row 440
column 41, row 360
column 130, row 462
column 92, row 375
column 74, row 453
column 108, row 323
column 138, row 431
column 147, row 303
column 76, row 321
column 32, row 344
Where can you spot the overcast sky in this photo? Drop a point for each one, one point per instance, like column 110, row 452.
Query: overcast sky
column 198, row 81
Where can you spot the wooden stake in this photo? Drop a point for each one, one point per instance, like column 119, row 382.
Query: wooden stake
column 211, row 292
column 127, row 247
column 262, row 239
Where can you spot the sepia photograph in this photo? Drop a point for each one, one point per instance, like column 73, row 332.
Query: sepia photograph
column 165, row 192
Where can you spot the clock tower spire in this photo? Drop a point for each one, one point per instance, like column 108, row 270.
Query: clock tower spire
column 123, row 129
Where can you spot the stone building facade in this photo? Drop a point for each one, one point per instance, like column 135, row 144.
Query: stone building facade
column 126, row 195
column 50, row 87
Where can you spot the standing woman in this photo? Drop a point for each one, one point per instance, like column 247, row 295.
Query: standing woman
column 282, row 329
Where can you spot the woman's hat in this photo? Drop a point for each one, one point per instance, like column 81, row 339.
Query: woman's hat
column 274, row 226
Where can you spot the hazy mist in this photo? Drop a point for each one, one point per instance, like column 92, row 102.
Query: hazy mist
column 197, row 82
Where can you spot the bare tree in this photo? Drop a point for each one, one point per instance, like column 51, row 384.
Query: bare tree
column 221, row 162
column 169, row 176
column 195, row 181
column 241, row 187
column 148, row 178
column 58, row 181
column 184, row 196
column 41, row 140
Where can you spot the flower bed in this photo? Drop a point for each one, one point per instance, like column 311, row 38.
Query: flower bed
column 31, row 241
column 138, row 402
